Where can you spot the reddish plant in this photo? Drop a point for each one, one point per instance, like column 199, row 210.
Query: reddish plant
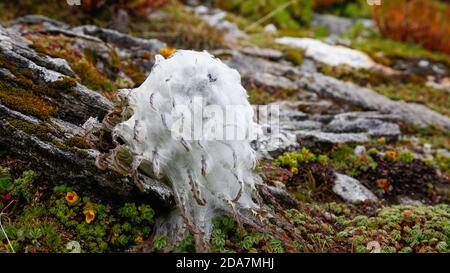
column 419, row 21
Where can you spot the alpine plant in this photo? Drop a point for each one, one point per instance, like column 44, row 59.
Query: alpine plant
column 210, row 175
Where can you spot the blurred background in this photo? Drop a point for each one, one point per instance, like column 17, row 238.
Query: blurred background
column 423, row 22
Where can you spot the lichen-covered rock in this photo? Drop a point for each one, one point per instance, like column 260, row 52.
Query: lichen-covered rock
column 42, row 109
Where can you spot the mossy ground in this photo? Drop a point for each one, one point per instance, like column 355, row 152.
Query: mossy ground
column 44, row 220
column 389, row 170
column 179, row 28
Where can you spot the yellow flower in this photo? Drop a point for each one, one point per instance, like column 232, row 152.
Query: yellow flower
column 71, row 197
column 166, row 52
column 138, row 240
column 294, row 170
column 89, row 214
column 391, row 154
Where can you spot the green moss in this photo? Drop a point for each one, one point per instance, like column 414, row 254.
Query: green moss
column 443, row 162
column 351, row 9
column 320, row 32
column 383, row 50
column 26, row 102
column 23, row 94
column 295, row 56
column 77, row 142
column 26, row 94
column 438, row 137
column 258, row 97
column 436, row 99
column 289, row 17
column 361, row 77
column 37, row 130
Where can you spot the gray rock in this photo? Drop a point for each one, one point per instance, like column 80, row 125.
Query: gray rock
column 405, row 200
column 331, row 138
column 373, row 125
column 250, row 65
column 267, row 53
column 351, row 190
column 338, row 25
column 301, row 125
column 262, row 71
column 216, row 18
column 334, row 24
column 347, row 92
column 35, row 19
column 276, row 82
column 286, row 76
column 6, row 73
column 120, row 39
column 121, row 21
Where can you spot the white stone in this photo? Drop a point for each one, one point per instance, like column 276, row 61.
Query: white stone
column 351, row 190
column 359, row 150
column 329, row 54
column 270, row 28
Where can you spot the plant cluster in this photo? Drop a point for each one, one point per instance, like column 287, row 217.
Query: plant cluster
column 36, row 225
column 287, row 14
column 400, row 229
column 420, row 21
column 99, row 227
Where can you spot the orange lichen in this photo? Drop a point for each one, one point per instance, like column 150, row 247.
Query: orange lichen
column 167, row 52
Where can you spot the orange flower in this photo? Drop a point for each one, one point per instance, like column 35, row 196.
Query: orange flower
column 90, row 215
column 384, row 185
column 167, row 52
column 71, row 197
column 391, row 154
